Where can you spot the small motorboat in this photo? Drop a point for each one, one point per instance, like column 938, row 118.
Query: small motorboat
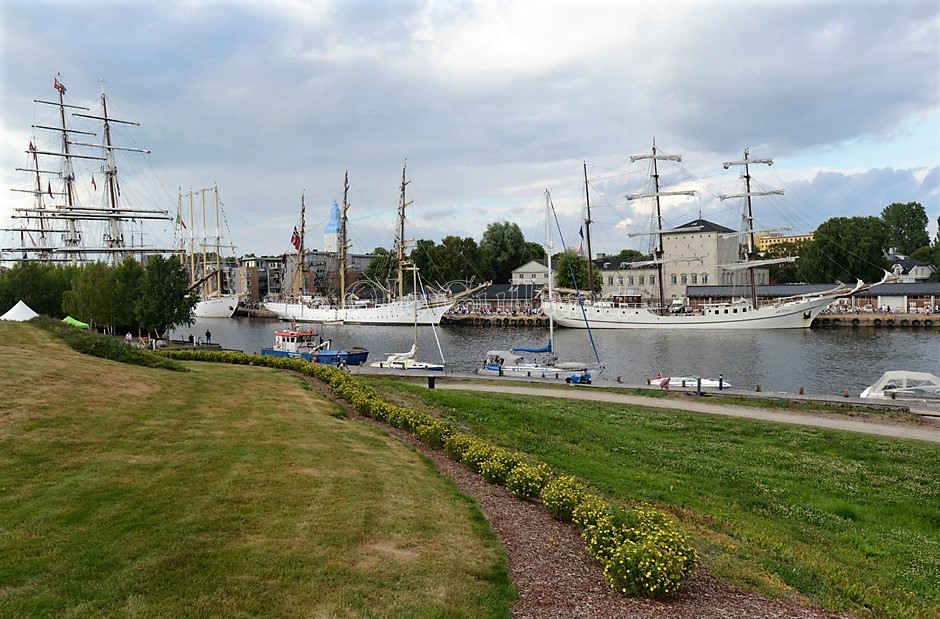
column 306, row 342
column 510, row 363
column 407, row 361
column 690, row 381
column 904, row 385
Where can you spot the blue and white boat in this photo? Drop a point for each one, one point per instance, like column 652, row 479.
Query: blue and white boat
column 307, row 343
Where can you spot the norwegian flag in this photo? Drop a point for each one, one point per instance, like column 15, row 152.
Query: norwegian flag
column 295, row 239
column 59, row 86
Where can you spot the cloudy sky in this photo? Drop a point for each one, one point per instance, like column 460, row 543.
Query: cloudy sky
column 490, row 102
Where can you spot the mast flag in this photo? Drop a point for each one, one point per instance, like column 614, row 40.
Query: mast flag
column 59, row 86
column 295, row 239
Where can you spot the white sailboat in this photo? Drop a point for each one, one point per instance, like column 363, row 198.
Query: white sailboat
column 69, row 220
column 408, row 360
column 425, row 309
column 207, row 279
column 795, row 312
column 512, row 364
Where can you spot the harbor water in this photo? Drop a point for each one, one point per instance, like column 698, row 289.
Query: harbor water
column 821, row 361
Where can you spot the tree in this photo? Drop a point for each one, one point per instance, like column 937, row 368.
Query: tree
column 382, row 268
column 536, row 251
column 41, row 286
column 164, row 300
column 92, row 296
column 507, row 249
column 785, row 272
column 846, row 248
column 569, row 261
column 907, row 227
column 454, row 259
column 631, row 255
column 127, row 281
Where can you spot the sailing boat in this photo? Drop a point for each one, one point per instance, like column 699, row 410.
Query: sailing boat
column 400, row 310
column 511, row 363
column 213, row 303
column 793, row 312
column 408, row 360
column 63, row 222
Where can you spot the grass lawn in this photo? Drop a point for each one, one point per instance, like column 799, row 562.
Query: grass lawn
column 227, row 491
column 851, row 521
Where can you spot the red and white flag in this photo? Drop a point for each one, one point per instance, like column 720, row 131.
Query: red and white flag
column 295, row 239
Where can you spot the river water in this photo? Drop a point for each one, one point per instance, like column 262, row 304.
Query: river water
column 822, row 361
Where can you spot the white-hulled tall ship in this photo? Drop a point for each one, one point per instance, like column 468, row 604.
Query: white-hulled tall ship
column 399, row 309
column 796, row 312
column 69, row 218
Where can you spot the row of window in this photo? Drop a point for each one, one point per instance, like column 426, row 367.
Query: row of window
column 629, row 280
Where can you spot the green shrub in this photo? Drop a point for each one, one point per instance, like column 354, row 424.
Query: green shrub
column 456, row 445
column 527, row 480
column 434, row 433
column 561, row 495
column 652, row 566
column 477, row 453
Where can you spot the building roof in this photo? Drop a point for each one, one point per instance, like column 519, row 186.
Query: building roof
column 702, row 225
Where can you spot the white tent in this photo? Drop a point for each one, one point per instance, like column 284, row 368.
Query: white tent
column 19, row 313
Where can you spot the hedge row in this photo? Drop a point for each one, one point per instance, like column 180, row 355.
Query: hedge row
column 642, row 552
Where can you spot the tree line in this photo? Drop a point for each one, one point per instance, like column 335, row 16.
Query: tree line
column 149, row 298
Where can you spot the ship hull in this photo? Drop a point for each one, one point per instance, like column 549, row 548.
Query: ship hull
column 216, row 307
column 396, row 313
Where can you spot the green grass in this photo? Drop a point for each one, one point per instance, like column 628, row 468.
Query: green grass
column 850, row 521
column 225, row 491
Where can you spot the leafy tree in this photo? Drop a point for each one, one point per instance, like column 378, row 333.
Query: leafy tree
column 454, row 259
column 41, row 286
column 507, row 249
column 785, row 272
column 631, row 255
column 846, row 248
column 568, row 262
column 536, row 251
column 907, row 226
column 127, row 281
column 164, row 300
column 92, row 297
column 382, row 268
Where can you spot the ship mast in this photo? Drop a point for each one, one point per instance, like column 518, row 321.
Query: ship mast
column 659, row 252
column 300, row 252
column 751, row 244
column 400, row 235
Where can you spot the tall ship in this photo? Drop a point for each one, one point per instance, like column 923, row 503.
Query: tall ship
column 210, row 273
column 76, row 212
column 795, row 312
column 418, row 307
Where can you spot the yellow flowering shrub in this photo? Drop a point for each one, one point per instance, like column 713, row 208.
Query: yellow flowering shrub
column 561, row 495
column 527, row 480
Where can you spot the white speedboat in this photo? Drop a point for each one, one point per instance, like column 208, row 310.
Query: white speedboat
column 690, row 380
column 511, row 364
column 407, row 361
column 904, row 385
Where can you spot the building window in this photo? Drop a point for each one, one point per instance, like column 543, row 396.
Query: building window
column 694, row 278
column 652, row 280
column 620, row 280
column 641, row 280
column 610, row 280
column 630, row 280
column 705, row 278
column 673, row 279
column 685, row 278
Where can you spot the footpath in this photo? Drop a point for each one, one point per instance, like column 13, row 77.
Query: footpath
column 925, row 431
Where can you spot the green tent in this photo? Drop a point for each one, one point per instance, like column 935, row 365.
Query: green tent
column 75, row 323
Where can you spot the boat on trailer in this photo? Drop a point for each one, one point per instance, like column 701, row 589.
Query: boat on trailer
column 307, row 343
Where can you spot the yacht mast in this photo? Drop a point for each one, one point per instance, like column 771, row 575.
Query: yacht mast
column 218, row 246
column 659, row 252
column 751, row 244
column 549, row 247
column 205, row 260
column 343, row 243
column 587, row 226
column 300, row 252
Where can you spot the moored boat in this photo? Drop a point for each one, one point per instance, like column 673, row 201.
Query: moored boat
column 690, row 380
column 513, row 365
column 307, row 343
column 904, row 385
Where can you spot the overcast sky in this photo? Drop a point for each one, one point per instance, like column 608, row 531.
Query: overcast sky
column 491, row 103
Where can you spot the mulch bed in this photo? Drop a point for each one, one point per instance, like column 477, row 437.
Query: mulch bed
column 556, row 578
